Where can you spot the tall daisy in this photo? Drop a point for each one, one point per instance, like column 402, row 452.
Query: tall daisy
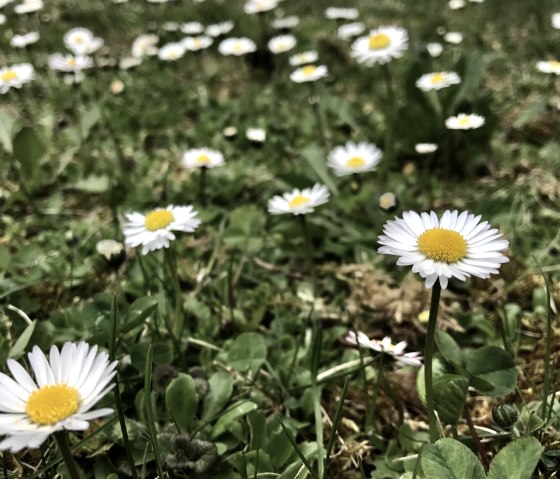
column 15, row 76
column 386, row 345
column 437, row 80
column 309, row 73
column 259, row 6
column 551, row 66
column 237, row 46
column 354, row 158
column 381, row 45
column 202, row 158
column 303, row 58
column 299, row 202
column 281, row 43
column 464, row 121
column 171, row 51
column 81, row 41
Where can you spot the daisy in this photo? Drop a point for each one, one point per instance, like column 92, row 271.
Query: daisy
column 145, row 45
column 109, row 249
column 258, row 135
column 385, row 346
column 127, row 63
column 387, row 201
column 15, row 76
column 259, row 6
column 66, row 387
column 434, row 49
column 334, row 13
column 381, row 45
column 299, row 202
column 219, row 29
column 425, row 148
column 80, row 41
column 309, row 73
column 2, row 19
column 202, row 158
column 194, row 44
column 350, row 30
column 453, row 37
column 464, row 122
column 354, row 158
column 171, row 26
column 237, row 46
column 551, row 66
column 69, row 63
column 154, row 230
column 304, row 58
column 285, row 23
column 192, row 28
column 282, row 43
column 456, row 4
column 555, row 20
column 437, row 80
column 457, row 245
column 21, row 41
column 171, row 51
column 28, row 6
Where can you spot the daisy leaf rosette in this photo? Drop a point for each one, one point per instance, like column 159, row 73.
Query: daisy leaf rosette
column 381, row 45
column 65, row 388
column 457, row 245
column 354, row 158
column 386, row 345
column 299, row 202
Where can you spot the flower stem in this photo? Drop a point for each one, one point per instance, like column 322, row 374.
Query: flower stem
column 61, row 438
column 319, row 115
column 202, row 186
column 389, row 147
column 316, row 394
column 308, row 248
column 428, row 353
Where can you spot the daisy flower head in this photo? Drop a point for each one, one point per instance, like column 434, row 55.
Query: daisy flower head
column 15, row 76
column 335, row 13
column 237, row 46
column 349, row 30
column 455, row 245
column 154, row 230
column 354, row 158
column 434, row 49
column 65, row 388
column 281, row 43
column 555, row 20
column 381, row 45
column 437, row 80
column 219, row 29
column 194, row 44
column 453, row 37
column 192, row 28
column 257, row 135
column 145, row 45
column 456, row 4
column 309, row 73
column 69, row 63
column 285, row 23
column 28, row 6
column 81, row 41
column 171, row 52
column 2, row 19
column 299, row 202
column 304, row 58
column 202, row 158
column 21, row 41
column 385, row 346
column 259, row 6
column 464, row 121
column 425, row 148
column 551, row 66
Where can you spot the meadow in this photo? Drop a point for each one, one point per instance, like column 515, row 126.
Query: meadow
column 279, row 239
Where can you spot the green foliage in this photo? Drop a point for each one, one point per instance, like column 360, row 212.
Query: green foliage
column 181, row 400
column 449, row 459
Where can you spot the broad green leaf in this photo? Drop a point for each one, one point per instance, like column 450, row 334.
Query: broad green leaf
column 449, row 349
column 450, row 394
column 495, row 366
column 315, row 158
column 7, row 127
column 439, row 368
column 237, row 411
column 22, row 341
column 517, row 460
column 247, row 353
column 181, row 399
column 449, row 459
column 220, row 390
column 29, row 148
column 89, row 120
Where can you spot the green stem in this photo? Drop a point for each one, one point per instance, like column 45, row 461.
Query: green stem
column 308, row 248
column 316, row 394
column 202, row 186
column 389, row 147
column 319, row 115
column 546, row 378
column 61, row 438
column 172, row 267
column 428, row 354
column 150, row 411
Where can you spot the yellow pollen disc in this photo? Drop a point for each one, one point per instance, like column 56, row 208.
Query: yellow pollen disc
column 443, row 245
column 203, row 160
column 379, row 41
column 554, row 64
column 52, row 404
column 298, row 200
column 464, row 121
column 79, row 39
column 197, row 42
column 438, row 78
column 308, row 70
column 238, row 47
column 71, row 61
column 355, row 162
column 158, row 219
column 9, row 75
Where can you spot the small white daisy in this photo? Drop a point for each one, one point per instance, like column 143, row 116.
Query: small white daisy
column 154, row 230
column 171, row 26
column 69, row 63
column 28, row 6
column 425, row 148
column 126, row 63
column 258, row 135
column 237, row 46
column 385, row 346
column 21, row 41
column 334, row 13
column 456, row 4
column 381, row 45
column 304, row 58
column 219, row 29
column 281, row 43
column 259, row 6
column 15, row 76
column 202, row 158
column 437, row 80
column 434, row 49
column 194, row 44
column 453, row 37
column 555, row 20
column 285, row 23
column 109, row 249
column 299, row 202
column 65, row 388
column 354, row 158
column 387, row 201
column 309, row 73
column 551, row 66
column 457, row 245
column 2, row 19
column 192, row 28
column 81, row 41
column 350, row 30
column 464, row 121
column 171, row 52
column 145, row 45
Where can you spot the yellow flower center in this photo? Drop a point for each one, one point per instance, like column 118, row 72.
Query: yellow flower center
column 79, row 39
column 197, row 42
column 238, row 47
column 9, row 75
column 438, row 78
column 355, row 162
column 464, row 121
column 71, row 61
column 554, row 64
column 158, row 219
column 443, row 245
column 298, row 201
column 379, row 41
column 308, row 70
column 52, row 404
column 203, row 160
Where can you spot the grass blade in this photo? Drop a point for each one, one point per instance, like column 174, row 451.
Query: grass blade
column 298, row 450
column 150, row 410
column 336, row 420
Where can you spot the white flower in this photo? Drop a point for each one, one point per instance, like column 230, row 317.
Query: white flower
column 453, row 37
column 387, row 201
column 425, row 148
column 381, row 45
column 154, row 230
column 237, row 46
column 349, row 30
column 2, row 19
column 127, row 63
column 309, row 73
column 456, row 4
column 15, row 76
column 281, row 43
column 145, row 45
column 21, row 41
column 437, row 80
column 171, row 26
column 258, row 135
column 285, row 23
column 219, row 29
column 202, row 158
column 354, row 158
column 81, row 41
column 555, row 20
column 434, row 49
column 65, row 388
column 194, row 44
column 171, row 51
column 69, row 63
column 28, row 6
column 259, row 6
column 334, row 13
column 304, row 58
column 3, row 3
column 551, row 66
column 457, row 245
column 464, row 122
column 299, row 202
column 109, row 248
column 192, row 28
column 385, row 346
